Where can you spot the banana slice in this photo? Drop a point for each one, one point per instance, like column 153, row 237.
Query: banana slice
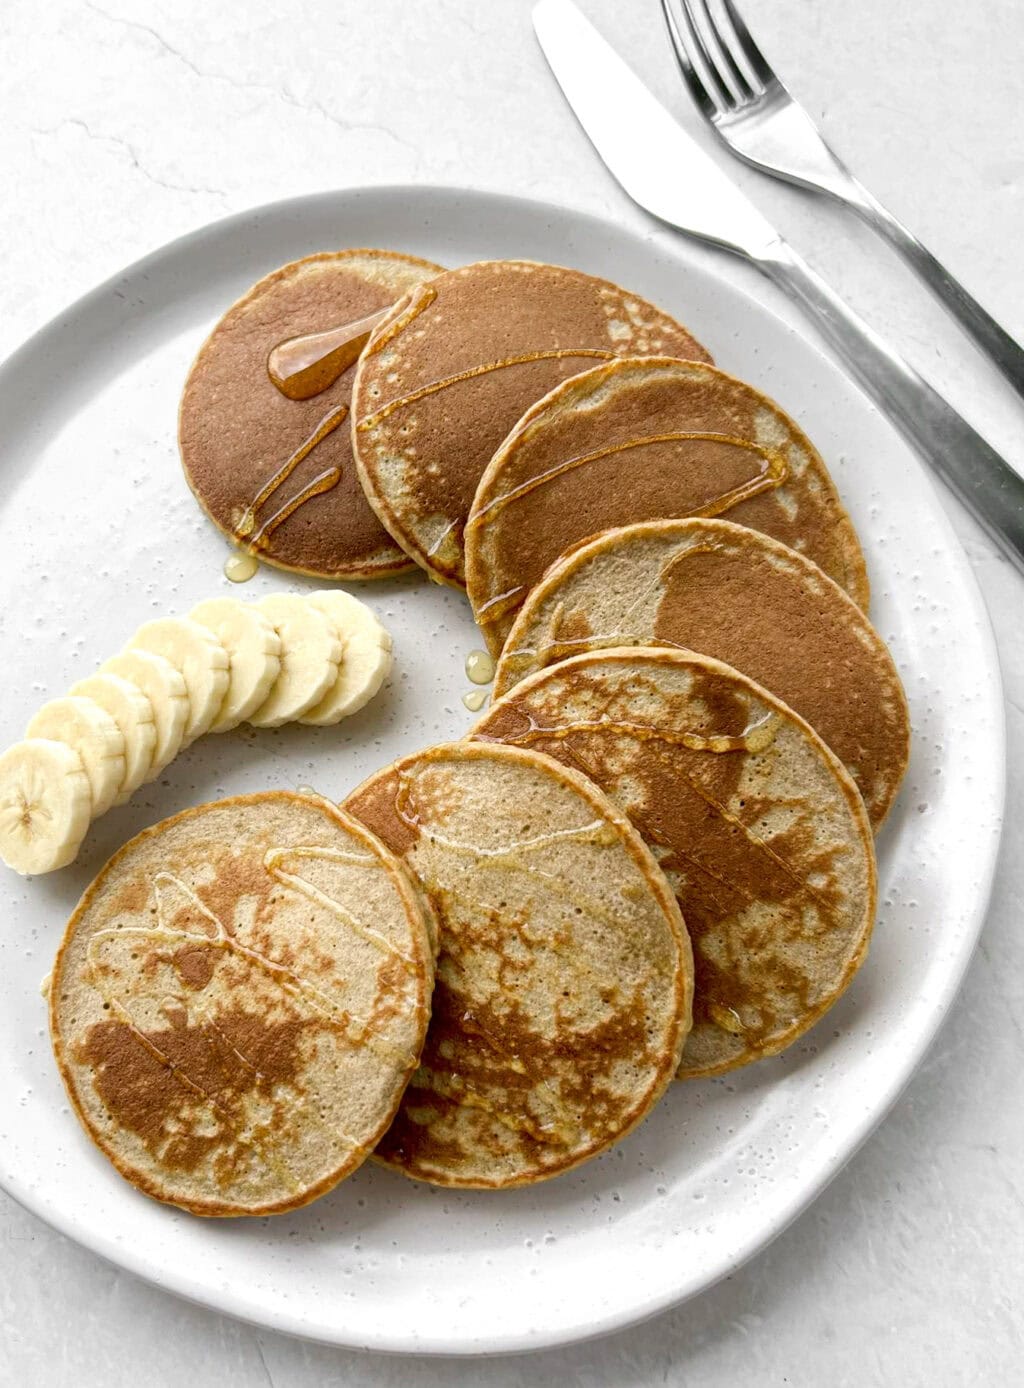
column 164, row 687
column 132, row 711
column 45, row 805
column 199, row 657
column 310, row 654
column 254, row 652
column 94, row 735
column 365, row 661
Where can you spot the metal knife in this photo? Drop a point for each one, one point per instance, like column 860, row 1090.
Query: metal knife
column 670, row 176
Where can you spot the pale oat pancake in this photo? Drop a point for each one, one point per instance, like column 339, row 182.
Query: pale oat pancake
column 736, row 594
column 442, row 382
column 564, row 971
column 239, row 1000
column 756, row 824
column 237, row 431
column 647, row 440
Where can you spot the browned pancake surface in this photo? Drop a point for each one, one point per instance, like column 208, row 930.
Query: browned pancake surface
column 645, row 440
column 563, row 978
column 441, row 385
column 735, row 594
column 236, row 430
column 239, row 1000
column 760, row 831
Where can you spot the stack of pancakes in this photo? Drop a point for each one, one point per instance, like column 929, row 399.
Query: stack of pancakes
column 653, row 854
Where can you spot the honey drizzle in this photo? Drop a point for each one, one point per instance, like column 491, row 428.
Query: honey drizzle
column 246, row 531
column 653, row 837
column 435, row 548
column 480, row 667
column 289, row 982
column 596, row 832
column 757, row 841
column 555, row 354
column 161, row 880
column 271, row 862
column 495, row 608
column 550, row 649
column 272, row 1158
column 553, row 650
column 239, row 567
column 302, row 367
column 774, row 471
column 758, row 735
column 325, row 481
column 422, row 297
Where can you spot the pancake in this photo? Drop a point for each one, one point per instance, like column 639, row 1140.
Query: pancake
column 239, row 1000
column 564, row 971
column 647, row 440
column 756, row 824
column 236, row 430
column 735, row 594
column 442, row 382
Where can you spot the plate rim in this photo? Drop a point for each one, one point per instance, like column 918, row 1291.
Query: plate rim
column 856, row 1131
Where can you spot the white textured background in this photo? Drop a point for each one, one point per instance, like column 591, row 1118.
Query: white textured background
column 126, row 124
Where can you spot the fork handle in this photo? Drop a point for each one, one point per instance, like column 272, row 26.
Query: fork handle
column 994, row 341
column 990, row 489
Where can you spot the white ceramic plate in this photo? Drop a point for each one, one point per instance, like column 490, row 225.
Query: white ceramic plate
column 98, row 532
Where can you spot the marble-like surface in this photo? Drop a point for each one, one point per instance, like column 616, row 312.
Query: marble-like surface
column 127, row 123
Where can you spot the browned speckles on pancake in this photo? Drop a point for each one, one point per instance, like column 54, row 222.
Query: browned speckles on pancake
column 756, row 824
column 443, row 382
column 237, row 1036
column 733, row 593
column 239, row 880
column 149, row 1082
column 633, row 441
column 562, row 993
column 194, row 965
column 236, row 429
column 478, row 1050
column 379, row 810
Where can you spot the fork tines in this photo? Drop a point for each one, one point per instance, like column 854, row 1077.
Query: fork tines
column 720, row 62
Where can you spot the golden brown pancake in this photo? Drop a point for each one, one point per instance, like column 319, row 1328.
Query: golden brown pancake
column 237, row 432
column 239, row 1000
column 735, row 594
column 443, row 381
column 564, row 972
column 756, row 824
column 647, row 440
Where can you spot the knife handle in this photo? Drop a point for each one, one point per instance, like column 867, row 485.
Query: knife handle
column 990, row 489
column 993, row 340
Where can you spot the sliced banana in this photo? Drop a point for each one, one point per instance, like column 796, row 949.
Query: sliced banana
column 94, row 735
column 132, row 711
column 310, row 654
column 45, row 805
column 254, row 653
column 365, row 661
column 199, row 657
column 164, row 687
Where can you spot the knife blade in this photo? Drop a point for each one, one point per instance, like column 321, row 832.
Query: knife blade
column 670, row 176
column 658, row 164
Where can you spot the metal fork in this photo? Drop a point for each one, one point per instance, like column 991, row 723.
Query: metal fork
column 739, row 94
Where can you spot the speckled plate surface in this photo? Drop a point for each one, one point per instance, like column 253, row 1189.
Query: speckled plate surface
column 99, row 532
